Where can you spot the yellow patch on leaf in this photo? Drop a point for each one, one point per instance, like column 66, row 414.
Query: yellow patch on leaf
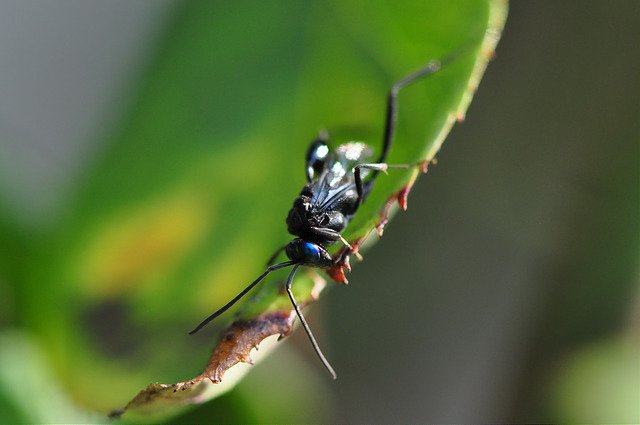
column 135, row 246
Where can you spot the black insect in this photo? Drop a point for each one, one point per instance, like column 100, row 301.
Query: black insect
column 338, row 182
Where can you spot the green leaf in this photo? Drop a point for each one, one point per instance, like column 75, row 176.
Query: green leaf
column 189, row 200
column 598, row 383
column 28, row 391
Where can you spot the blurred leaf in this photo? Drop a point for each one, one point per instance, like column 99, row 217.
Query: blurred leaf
column 28, row 390
column 269, row 312
column 189, row 200
column 599, row 384
column 14, row 254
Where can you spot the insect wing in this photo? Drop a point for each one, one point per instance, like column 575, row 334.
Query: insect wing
column 337, row 179
column 352, row 153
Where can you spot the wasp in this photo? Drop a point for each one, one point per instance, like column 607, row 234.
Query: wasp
column 338, row 182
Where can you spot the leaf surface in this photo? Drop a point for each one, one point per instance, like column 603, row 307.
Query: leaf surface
column 189, row 199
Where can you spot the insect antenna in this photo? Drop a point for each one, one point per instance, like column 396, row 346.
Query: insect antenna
column 242, row 294
column 306, row 327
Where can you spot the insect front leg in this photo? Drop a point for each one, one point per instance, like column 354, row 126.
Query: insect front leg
column 335, row 236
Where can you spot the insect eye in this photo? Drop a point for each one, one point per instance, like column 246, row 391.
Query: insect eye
column 316, row 158
column 311, row 250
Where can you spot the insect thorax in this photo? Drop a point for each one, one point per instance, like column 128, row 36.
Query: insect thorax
column 315, row 225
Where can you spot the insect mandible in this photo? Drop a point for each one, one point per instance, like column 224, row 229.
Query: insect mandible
column 337, row 184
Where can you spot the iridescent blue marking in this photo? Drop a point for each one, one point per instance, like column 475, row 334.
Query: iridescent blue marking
column 311, row 250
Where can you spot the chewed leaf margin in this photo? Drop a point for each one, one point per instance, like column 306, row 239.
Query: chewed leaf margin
column 242, row 342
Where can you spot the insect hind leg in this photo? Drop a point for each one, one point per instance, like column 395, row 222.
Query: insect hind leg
column 391, row 117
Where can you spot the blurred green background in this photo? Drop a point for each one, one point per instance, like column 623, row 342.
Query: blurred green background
column 508, row 292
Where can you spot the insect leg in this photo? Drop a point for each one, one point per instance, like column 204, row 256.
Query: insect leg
column 241, row 294
column 315, row 345
column 334, row 235
column 360, row 185
column 391, row 119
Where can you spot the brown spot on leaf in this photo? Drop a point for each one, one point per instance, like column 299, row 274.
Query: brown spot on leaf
column 240, row 338
column 233, row 347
